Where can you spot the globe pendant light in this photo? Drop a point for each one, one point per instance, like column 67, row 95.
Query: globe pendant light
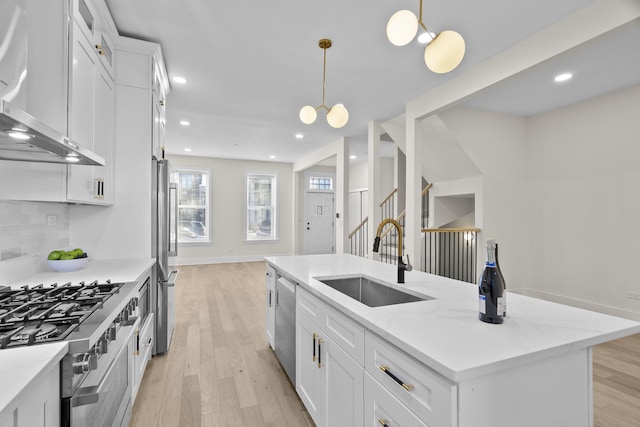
column 337, row 116
column 443, row 53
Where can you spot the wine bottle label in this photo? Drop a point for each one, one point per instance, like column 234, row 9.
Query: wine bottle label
column 483, row 304
column 502, row 305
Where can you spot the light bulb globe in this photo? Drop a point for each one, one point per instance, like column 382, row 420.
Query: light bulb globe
column 308, row 114
column 445, row 52
column 338, row 116
column 402, row 27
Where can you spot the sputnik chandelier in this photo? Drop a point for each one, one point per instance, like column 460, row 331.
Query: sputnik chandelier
column 444, row 50
column 337, row 116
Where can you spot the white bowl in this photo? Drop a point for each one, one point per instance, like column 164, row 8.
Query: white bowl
column 68, row 264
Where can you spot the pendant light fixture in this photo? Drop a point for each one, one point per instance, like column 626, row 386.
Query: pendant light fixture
column 444, row 50
column 337, row 116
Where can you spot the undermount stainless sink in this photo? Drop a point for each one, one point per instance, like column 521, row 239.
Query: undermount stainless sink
column 370, row 292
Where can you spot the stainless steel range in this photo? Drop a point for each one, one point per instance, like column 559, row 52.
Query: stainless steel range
column 98, row 321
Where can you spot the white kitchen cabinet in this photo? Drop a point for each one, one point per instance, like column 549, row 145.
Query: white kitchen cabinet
column 142, row 352
column 270, row 306
column 328, row 380
column 38, row 404
column 91, row 112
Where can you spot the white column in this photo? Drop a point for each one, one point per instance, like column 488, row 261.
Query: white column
column 374, row 132
column 413, row 235
column 342, row 195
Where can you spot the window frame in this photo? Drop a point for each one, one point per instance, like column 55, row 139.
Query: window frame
column 208, row 239
column 274, row 207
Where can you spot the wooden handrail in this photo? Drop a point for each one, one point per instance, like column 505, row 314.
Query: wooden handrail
column 355, row 230
column 395, row 190
column 426, row 189
column 449, row 230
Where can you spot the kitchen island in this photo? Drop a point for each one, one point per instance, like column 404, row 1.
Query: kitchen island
column 534, row 369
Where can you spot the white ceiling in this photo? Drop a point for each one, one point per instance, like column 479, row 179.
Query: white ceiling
column 252, row 65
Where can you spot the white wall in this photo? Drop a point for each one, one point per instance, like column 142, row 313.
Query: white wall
column 583, row 170
column 559, row 193
column 228, row 211
column 495, row 144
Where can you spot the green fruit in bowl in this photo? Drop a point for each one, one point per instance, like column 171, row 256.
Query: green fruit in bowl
column 67, row 256
column 55, row 255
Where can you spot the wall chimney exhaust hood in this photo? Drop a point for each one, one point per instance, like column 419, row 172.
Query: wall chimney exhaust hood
column 25, row 138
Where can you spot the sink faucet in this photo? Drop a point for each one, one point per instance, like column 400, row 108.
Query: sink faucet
column 402, row 267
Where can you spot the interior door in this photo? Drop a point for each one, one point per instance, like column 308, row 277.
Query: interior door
column 319, row 228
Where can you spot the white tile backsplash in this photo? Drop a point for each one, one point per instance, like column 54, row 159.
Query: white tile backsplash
column 26, row 238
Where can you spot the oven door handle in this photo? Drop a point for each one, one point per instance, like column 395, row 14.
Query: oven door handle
column 86, row 396
column 89, row 395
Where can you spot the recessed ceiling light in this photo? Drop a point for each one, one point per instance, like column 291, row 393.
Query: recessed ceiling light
column 272, row 156
column 184, row 123
column 179, row 79
column 299, row 136
column 352, row 157
column 188, row 150
column 562, row 77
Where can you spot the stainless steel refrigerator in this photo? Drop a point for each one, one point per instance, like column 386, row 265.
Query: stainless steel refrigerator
column 165, row 244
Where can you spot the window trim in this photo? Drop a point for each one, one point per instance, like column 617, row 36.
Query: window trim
column 208, row 208
column 274, row 214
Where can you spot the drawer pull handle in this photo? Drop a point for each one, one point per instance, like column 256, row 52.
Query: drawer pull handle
column 314, row 347
column 386, row 370
column 270, row 298
column 383, row 422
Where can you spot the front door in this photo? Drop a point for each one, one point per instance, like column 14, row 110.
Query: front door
column 319, row 231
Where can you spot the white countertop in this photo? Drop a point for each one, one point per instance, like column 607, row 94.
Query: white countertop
column 117, row 270
column 445, row 332
column 21, row 366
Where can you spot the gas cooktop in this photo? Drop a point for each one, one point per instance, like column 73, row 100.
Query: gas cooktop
column 39, row 314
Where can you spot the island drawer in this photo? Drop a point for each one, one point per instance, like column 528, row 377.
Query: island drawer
column 381, row 408
column 432, row 398
column 345, row 332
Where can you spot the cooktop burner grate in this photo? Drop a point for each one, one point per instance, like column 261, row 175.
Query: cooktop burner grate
column 30, row 315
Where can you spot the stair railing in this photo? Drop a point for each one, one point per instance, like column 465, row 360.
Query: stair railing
column 388, row 205
column 451, row 252
column 359, row 239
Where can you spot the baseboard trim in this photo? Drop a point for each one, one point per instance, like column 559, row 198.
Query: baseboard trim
column 574, row 302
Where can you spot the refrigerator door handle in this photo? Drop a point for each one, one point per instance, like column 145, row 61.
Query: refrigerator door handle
column 173, row 219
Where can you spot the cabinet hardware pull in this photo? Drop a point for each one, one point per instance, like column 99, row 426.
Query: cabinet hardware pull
column 270, row 298
column 383, row 422
column 314, row 346
column 162, row 103
column 320, row 353
column 386, row 370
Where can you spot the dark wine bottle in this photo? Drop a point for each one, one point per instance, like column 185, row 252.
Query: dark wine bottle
column 504, row 284
column 491, row 289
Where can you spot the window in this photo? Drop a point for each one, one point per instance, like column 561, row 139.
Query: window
column 261, row 207
column 193, row 205
column 320, row 183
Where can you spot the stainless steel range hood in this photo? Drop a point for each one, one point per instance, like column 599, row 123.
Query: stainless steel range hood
column 25, row 138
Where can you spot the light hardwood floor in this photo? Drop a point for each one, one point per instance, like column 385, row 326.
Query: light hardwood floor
column 220, row 370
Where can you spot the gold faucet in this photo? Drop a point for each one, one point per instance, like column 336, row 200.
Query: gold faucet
column 402, row 267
